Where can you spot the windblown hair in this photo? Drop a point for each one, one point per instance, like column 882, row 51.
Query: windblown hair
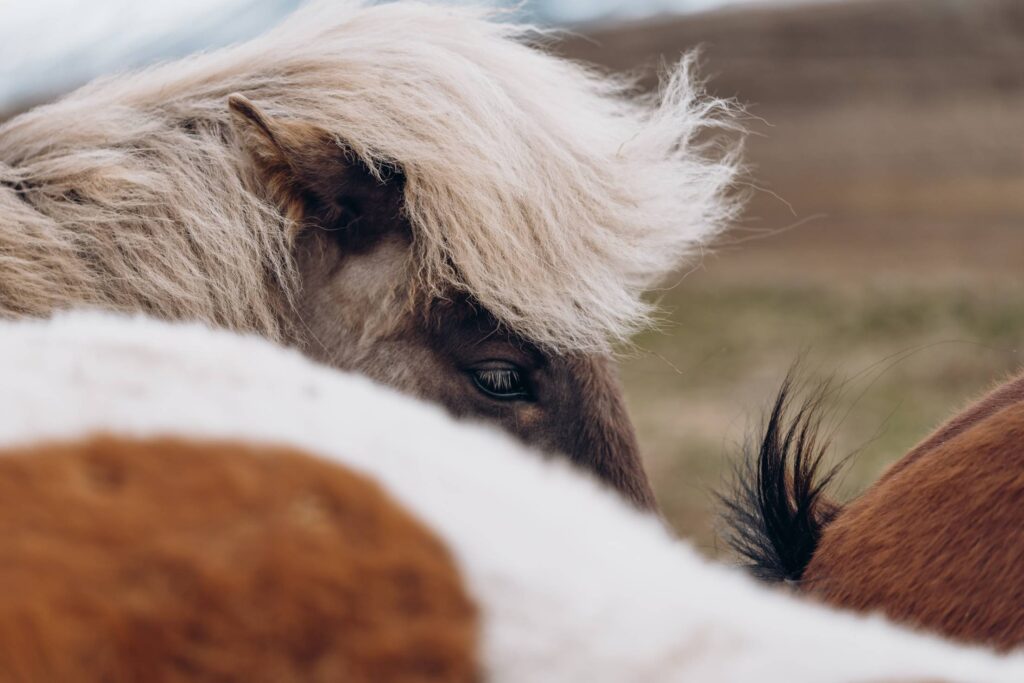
column 551, row 194
column 774, row 516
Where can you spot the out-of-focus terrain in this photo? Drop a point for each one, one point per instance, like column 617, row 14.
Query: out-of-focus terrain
column 884, row 241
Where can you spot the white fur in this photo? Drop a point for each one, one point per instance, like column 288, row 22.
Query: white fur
column 574, row 586
column 552, row 194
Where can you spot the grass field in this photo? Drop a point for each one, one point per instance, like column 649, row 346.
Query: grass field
column 884, row 246
column 908, row 348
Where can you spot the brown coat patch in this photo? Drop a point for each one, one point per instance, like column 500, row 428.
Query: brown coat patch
column 939, row 541
column 168, row 560
column 1002, row 396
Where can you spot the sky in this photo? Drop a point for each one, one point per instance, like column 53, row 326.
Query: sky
column 50, row 46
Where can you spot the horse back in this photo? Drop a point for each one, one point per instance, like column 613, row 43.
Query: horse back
column 939, row 540
column 1002, row 396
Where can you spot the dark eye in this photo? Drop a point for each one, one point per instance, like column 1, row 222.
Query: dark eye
column 503, row 382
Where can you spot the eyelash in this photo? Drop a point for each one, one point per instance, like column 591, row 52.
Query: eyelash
column 502, row 383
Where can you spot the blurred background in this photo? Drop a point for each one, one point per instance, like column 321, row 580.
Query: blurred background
column 884, row 239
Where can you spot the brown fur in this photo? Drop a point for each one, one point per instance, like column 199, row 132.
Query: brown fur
column 938, row 541
column 1000, row 397
column 168, row 560
column 579, row 409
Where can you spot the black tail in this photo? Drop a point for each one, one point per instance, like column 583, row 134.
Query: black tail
column 777, row 509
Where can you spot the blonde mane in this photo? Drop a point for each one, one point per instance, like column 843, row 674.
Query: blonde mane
column 552, row 194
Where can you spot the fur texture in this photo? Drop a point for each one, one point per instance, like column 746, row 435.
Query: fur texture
column 935, row 542
column 551, row 194
column 1003, row 395
column 168, row 561
column 939, row 542
column 572, row 584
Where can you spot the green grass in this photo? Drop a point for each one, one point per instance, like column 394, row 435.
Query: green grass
column 904, row 355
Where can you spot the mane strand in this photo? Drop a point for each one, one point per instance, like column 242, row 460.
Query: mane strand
column 774, row 516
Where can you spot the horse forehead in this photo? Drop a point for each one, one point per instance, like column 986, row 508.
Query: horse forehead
column 374, row 272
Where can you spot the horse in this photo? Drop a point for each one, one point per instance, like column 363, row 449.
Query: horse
column 936, row 542
column 422, row 194
column 188, row 504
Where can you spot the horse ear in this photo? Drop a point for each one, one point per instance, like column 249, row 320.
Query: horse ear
column 255, row 126
column 270, row 146
column 309, row 173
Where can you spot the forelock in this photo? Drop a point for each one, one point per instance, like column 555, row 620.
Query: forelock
column 550, row 193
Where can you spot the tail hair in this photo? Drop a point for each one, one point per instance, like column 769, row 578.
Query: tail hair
column 774, row 513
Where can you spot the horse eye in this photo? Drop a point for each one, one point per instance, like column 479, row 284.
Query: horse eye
column 503, row 383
